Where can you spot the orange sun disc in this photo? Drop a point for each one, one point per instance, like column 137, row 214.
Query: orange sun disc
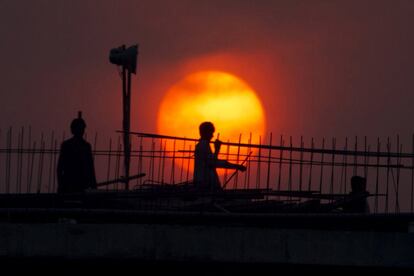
column 221, row 98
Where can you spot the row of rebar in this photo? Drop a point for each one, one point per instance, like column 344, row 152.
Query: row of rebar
column 29, row 166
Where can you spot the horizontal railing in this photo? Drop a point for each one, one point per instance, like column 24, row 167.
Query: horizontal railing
column 282, row 168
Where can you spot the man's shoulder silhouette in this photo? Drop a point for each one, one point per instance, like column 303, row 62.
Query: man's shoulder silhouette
column 74, row 147
column 76, row 142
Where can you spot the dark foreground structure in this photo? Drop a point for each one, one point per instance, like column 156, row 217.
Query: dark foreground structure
column 298, row 209
column 74, row 233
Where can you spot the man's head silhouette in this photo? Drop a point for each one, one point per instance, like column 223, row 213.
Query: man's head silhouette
column 78, row 125
column 206, row 130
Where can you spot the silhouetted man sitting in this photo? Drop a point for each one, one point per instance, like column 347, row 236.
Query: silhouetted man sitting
column 75, row 170
column 206, row 162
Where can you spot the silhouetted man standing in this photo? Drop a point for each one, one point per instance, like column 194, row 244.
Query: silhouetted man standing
column 75, row 169
column 206, row 162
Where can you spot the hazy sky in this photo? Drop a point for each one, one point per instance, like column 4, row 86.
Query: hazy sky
column 320, row 68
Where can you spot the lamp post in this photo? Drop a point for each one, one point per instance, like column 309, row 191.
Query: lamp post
column 127, row 59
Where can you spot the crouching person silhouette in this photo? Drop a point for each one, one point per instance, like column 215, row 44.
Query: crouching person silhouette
column 75, row 169
column 357, row 199
column 206, row 162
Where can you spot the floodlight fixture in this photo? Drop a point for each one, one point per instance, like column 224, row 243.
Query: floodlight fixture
column 125, row 57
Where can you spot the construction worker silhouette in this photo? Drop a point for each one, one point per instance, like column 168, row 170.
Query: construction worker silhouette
column 75, row 170
column 206, row 162
column 357, row 202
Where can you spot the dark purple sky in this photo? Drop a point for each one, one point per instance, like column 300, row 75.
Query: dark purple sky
column 321, row 68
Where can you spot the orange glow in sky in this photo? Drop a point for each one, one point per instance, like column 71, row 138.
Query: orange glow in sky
column 221, row 98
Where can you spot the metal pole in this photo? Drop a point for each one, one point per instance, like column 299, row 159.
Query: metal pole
column 126, row 85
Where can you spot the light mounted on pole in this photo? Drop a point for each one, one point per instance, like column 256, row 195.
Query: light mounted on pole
column 127, row 59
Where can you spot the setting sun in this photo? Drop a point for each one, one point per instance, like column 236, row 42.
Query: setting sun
column 221, row 98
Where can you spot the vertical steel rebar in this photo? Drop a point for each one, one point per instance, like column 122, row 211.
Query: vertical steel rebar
column 397, row 192
column 310, row 165
column 188, row 164
column 280, row 163
column 301, row 163
column 388, row 173
column 40, row 168
column 365, row 158
column 172, row 181
column 331, row 190
column 164, row 157
column 290, row 164
column 269, row 161
column 140, row 161
column 63, row 139
column 108, row 166
column 412, row 175
column 346, row 165
column 8, row 159
column 29, row 144
column 355, row 172
column 19, row 156
column 377, row 174
column 182, row 164
column 49, row 185
column 160, row 160
column 368, row 164
column 258, row 172
column 1, row 152
column 55, row 154
column 247, row 174
column 152, row 160
column 322, row 164
column 118, row 162
column 227, row 157
column 21, row 160
column 342, row 188
column 29, row 183
column 237, row 162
